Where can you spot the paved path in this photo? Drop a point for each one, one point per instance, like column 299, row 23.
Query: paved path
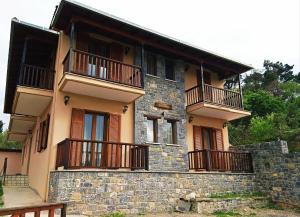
column 20, row 196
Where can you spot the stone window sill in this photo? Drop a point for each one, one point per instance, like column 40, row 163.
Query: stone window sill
column 153, row 76
column 171, row 80
column 175, row 145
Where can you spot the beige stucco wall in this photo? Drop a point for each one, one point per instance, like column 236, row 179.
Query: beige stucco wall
column 190, row 78
column 205, row 122
column 13, row 161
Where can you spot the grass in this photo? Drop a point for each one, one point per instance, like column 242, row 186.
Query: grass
column 226, row 214
column 115, row 214
column 235, row 195
column 272, row 205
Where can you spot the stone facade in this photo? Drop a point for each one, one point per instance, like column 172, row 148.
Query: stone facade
column 277, row 171
column 98, row 192
column 163, row 156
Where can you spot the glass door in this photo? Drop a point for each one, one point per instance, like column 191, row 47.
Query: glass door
column 94, row 134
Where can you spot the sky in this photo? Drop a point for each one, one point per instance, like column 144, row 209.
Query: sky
column 249, row 31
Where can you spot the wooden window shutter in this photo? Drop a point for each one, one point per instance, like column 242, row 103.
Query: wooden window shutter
column 77, row 124
column 114, row 133
column 76, row 132
column 197, row 131
column 219, row 140
column 45, row 132
column 116, row 51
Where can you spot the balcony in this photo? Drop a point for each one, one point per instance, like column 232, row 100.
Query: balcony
column 77, row 154
column 210, row 160
column 101, row 77
column 34, row 87
column 215, row 102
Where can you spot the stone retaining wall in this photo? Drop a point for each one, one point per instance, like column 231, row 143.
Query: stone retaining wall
column 98, row 192
column 277, row 171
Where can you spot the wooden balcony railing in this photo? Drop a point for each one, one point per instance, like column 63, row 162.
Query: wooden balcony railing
column 211, row 160
column 35, row 76
column 75, row 153
column 214, row 95
column 35, row 209
column 87, row 64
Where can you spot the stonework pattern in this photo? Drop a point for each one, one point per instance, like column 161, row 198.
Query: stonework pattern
column 277, row 171
column 163, row 157
column 98, row 192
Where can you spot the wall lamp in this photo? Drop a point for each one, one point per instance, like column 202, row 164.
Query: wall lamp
column 191, row 119
column 225, row 124
column 66, row 99
column 125, row 108
column 187, row 66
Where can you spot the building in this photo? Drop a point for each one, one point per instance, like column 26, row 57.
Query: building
column 97, row 93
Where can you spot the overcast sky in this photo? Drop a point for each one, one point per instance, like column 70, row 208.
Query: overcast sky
column 249, row 30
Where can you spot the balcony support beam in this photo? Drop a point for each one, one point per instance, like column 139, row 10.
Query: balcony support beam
column 72, row 46
column 142, row 64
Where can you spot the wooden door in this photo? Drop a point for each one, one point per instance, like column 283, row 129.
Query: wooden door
column 114, row 149
column 199, row 158
column 115, row 69
column 81, row 60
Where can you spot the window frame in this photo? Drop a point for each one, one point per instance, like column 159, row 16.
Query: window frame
column 154, row 127
column 170, row 63
column 174, row 130
column 151, row 55
column 43, row 134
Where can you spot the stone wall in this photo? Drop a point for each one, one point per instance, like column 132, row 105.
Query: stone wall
column 277, row 171
column 162, row 156
column 98, row 192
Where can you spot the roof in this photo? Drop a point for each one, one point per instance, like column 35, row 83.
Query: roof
column 68, row 9
column 19, row 32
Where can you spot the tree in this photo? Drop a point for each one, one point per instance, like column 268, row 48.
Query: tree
column 1, row 126
column 8, row 144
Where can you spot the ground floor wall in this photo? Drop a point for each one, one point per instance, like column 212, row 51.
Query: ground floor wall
column 13, row 161
column 98, row 192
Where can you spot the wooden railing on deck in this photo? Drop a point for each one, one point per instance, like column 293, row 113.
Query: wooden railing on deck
column 214, row 95
column 76, row 153
column 36, row 210
column 103, row 68
column 35, row 76
column 212, row 160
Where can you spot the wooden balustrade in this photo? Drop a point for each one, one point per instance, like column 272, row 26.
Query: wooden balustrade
column 214, row 95
column 36, row 210
column 35, row 76
column 212, row 160
column 103, row 68
column 75, row 153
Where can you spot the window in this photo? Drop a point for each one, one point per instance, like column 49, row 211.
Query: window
column 169, row 68
column 171, row 127
column 151, row 64
column 151, row 130
column 208, row 138
column 43, row 134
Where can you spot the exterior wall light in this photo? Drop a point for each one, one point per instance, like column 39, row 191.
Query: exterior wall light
column 225, row 124
column 191, row 119
column 125, row 108
column 127, row 49
column 66, row 99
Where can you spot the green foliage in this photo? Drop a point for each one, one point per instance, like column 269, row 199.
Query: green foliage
column 237, row 195
column 1, row 126
column 273, row 97
column 1, row 189
column 115, row 214
column 8, row 144
column 226, row 213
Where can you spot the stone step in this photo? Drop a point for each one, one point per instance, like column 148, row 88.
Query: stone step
column 16, row 180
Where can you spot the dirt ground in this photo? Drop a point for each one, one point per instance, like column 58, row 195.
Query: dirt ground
column 246, row 213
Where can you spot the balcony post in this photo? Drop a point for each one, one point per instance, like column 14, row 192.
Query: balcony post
column 72, row 46
column 241, row 92
column 202, row 82
column 142, row 64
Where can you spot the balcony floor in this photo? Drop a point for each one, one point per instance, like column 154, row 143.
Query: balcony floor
column 216, row 111
column 98, row 88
